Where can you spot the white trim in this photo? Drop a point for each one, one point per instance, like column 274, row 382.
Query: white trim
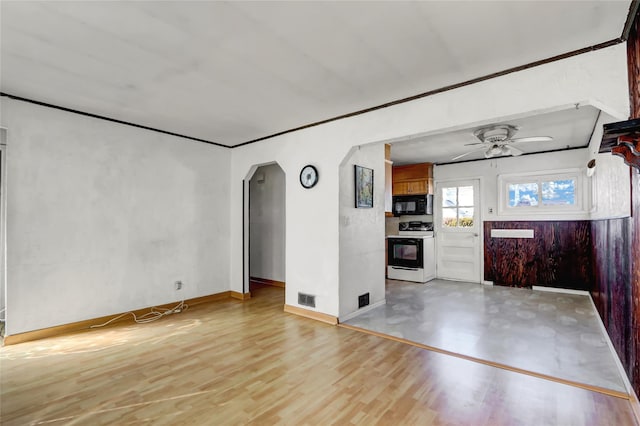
column 512, row 233
column 616, row 359
column 561, row 290
column 582, row 193
column 484, row 282
column 362, row 310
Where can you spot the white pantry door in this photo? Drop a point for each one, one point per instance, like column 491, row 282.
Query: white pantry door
column 457, row 224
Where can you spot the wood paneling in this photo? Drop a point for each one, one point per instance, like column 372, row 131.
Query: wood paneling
column 633, row 62
column 611, row 292
column 634, row 361
column 559, row 255
column 616, row 247
column 616, row 291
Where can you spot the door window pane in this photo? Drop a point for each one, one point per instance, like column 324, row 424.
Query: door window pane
column 449, row 217
column 465, row 217
column 449, row 197
column 465, row 196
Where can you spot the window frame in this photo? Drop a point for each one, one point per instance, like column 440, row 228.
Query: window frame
column 504, row 180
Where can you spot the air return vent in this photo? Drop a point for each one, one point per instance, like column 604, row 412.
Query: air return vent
column 306, row 300
column 363, row 300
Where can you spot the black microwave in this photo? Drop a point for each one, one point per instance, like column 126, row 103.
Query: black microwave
column 412, row 204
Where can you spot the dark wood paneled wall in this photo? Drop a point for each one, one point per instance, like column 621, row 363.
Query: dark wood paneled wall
column 616, row 290
column 612, row 292
column 633, row 62
column 616, row 250
column 634, row 361
column 559, row 255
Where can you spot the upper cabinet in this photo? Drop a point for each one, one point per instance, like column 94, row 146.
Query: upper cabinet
column 413, row 179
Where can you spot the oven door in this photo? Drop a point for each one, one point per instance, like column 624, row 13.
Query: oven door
column 406, row 252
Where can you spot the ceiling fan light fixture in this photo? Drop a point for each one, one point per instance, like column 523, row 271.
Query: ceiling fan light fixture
column 505, row 150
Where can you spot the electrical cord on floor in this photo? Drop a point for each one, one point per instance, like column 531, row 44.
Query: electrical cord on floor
column 154, row 314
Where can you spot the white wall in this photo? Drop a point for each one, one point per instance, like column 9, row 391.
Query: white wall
column 312, row 241
column 489, row 170
column 611, row 188
column 102, row 218
column 267, row 223
column 606, row 194
column 3, row 288
column 362, row 232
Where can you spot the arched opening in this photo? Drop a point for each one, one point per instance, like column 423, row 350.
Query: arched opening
column 265, row 221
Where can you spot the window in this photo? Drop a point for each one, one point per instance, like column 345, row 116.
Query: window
column 541, row 193
column 557, row 192
column 457, row 207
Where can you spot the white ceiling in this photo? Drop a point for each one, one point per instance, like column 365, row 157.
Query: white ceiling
column 570, row 128
column 231, row 72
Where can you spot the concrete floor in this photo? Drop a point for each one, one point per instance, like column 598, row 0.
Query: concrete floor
column 554, row 334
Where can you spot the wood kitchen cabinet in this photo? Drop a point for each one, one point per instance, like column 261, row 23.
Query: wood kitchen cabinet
column 413, row 179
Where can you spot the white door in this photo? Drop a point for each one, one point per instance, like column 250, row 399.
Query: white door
column 457, row 225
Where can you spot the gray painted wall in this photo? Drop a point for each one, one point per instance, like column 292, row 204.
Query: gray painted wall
column 104, row 218
column 267, row 223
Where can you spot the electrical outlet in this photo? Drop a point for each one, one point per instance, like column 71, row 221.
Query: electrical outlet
column 178, row 285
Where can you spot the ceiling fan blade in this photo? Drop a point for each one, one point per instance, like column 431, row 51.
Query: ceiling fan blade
column 460, row 156
column 467, row 153
column 474, row 143
column 515, row 151
column 533, row 139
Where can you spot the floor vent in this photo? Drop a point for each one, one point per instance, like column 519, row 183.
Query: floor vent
column 363, row 300
column 306, row 300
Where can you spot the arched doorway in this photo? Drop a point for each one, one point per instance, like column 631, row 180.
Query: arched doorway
column 266, row 228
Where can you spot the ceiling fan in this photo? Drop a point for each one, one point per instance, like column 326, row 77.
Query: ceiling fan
column 498, row 139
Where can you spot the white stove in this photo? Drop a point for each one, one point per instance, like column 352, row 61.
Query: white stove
column 411, row 254
column 408, row 234
column 415, row 228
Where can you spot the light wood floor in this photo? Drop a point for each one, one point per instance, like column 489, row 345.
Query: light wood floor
column 234, row 362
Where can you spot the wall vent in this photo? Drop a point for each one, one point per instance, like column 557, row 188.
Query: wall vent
column 306, row 300
column 363, row 300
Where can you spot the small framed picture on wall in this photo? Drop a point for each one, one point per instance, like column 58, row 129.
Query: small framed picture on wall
column 364, row 187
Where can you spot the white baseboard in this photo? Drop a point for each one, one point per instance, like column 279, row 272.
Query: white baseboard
column 621, row 370
column 487, row 282
column 561, row 290
column 362, row 310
